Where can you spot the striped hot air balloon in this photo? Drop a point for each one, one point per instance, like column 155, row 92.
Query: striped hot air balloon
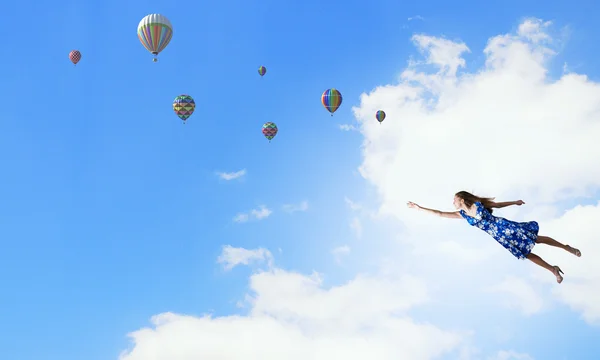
column 331, row 100
column 155, row 32
column 380, row 116
column 262, row 71
column 75, row 56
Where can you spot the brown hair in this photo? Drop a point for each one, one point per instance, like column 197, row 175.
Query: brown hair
column 471, row 199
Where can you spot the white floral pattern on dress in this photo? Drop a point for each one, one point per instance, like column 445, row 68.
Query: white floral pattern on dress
column 518, row 238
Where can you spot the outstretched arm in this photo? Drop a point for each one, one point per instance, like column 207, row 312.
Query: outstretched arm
column 506, row 203
column 449, row 215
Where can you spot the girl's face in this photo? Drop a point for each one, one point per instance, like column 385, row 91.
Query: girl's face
column 458, row 202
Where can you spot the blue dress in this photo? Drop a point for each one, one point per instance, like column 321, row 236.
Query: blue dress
column 518, row 238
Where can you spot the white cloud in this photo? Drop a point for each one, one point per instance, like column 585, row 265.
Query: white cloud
column 231, row 175
column 261, row 212
column 293, row 316
column 231, row 256
column 347, row 127
column 521, row 295
column 502, row 110
column 292, row 208
column 241, row 217
column 440, row 52
column 352, row 205
column 507, row 130
column 534, row 30
column 580, row 290
column 340, row 251
column 416, row 17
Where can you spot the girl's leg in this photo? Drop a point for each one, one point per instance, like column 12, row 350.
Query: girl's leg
column 550, row 241
column 553, row 269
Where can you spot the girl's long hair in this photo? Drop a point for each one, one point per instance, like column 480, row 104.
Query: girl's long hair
column 471, row 199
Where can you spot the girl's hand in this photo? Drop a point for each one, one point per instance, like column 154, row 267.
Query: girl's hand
column 519, row 202
column 412, row 205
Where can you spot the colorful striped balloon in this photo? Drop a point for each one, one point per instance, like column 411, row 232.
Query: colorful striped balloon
column 380, row 116
column 184, row 106
column 75, row 56
column 155, row 32
column 331, row 99
column 269, row 130
column 262, row 71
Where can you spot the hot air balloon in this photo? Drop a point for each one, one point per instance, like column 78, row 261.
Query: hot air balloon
column 269, row 130
column 75, row 56
column 262, row 71
column 155, row 32
column 184, row 106
column 380, row 116
column 331, row 99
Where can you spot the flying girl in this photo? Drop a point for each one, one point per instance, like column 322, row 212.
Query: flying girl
column 518, row 238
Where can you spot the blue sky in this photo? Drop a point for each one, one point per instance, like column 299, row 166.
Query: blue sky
column 111, row 208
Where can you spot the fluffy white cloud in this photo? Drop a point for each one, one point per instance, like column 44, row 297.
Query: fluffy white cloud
column 261, row 212
column 508, row 130
column 231, row 256
column 531, row 29
column 295, row 317
column 231, row 175
column 347, row 127
column 292, row 208
column 580, row 290
column 352, row 205
column 521, row 295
